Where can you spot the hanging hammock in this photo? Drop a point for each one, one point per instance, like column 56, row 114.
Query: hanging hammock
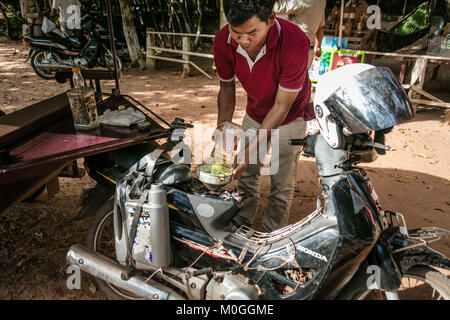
column 413, row 27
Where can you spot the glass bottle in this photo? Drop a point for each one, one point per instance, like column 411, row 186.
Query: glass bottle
column 348, row 28
column 334, row 17
column 77, row 78
column 347, row 9
column 82, row 103
column 354, row 13
column 227, row 138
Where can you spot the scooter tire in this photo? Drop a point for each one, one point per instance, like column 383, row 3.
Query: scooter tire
column 51, row 76
column 101, row 219
column 439, row 283
column 105, row 64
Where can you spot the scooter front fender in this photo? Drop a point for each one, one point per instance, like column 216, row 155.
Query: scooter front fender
column 379, row 270
column 391, row 264
column 420, row 255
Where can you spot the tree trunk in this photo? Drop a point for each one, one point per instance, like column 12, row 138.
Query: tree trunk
column 131, row 37
column 163, row 24
column 8, row 26
column 173, row 12
column 170, row 26
column 200, row 9
column 184, row 14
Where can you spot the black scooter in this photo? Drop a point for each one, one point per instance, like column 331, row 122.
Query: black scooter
column 54, row 53
column 348, row 248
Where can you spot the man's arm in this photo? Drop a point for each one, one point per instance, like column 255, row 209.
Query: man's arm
column 319, row 34
column 283, row 103
column 318, row 44
column 226, row 101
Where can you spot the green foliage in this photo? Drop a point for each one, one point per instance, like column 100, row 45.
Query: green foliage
column 161, row 15
column 12, row 9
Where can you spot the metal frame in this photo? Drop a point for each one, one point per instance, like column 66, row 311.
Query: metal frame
column 113, row 44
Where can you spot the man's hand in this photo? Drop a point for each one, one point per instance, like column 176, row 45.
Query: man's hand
column 239, row 168
column 238, row 171
column 317, row 53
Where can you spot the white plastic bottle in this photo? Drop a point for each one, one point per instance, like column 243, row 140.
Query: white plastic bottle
column 159, row 227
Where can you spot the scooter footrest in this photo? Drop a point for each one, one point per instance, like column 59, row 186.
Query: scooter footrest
column 428, row 234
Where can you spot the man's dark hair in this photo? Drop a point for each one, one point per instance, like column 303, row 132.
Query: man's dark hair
column 239, row 11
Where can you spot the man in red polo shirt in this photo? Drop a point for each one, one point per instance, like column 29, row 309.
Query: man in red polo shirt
column 269, row 56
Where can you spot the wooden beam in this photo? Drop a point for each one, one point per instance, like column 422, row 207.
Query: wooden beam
column 430, row 103
column 426, row 94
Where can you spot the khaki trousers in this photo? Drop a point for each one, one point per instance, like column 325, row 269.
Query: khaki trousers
column 282, row 181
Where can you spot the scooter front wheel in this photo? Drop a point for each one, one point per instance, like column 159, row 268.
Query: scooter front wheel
column 418, row 283
column 42, row 57
column 100, row 238
column 107, row 60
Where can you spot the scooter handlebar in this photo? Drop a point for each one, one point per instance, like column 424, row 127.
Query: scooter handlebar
column 297, row 142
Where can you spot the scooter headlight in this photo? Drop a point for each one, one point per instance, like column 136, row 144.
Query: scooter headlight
column 359, row 98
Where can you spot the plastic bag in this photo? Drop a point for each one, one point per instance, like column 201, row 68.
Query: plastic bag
column 123, row 118
column 47, row 25
column 26, row 30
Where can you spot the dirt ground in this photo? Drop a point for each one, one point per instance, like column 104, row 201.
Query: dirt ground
column 413, row 178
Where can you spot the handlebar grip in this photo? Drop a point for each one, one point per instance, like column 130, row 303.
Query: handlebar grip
column 296, row 142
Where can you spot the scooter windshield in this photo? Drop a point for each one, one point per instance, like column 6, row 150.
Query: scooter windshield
column 373, row 100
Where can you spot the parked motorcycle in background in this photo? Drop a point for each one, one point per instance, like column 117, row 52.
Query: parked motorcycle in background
column 164, row 235
column 54, row 53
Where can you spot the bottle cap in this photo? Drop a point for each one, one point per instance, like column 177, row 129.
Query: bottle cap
column 76, row 69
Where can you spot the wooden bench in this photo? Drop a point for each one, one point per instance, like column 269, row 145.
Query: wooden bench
column 21, row 124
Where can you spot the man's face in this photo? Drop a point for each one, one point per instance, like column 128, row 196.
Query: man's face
column 253, row 33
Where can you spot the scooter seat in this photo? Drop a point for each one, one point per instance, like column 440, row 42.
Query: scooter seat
column 51, row 41
column 33, row 39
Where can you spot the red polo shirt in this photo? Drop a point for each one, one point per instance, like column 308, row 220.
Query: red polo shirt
column 281, row 63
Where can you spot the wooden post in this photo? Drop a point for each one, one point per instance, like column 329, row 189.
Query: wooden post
column 403, row 71
column 186, row 57
column 417, row 79
column 151, row 63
